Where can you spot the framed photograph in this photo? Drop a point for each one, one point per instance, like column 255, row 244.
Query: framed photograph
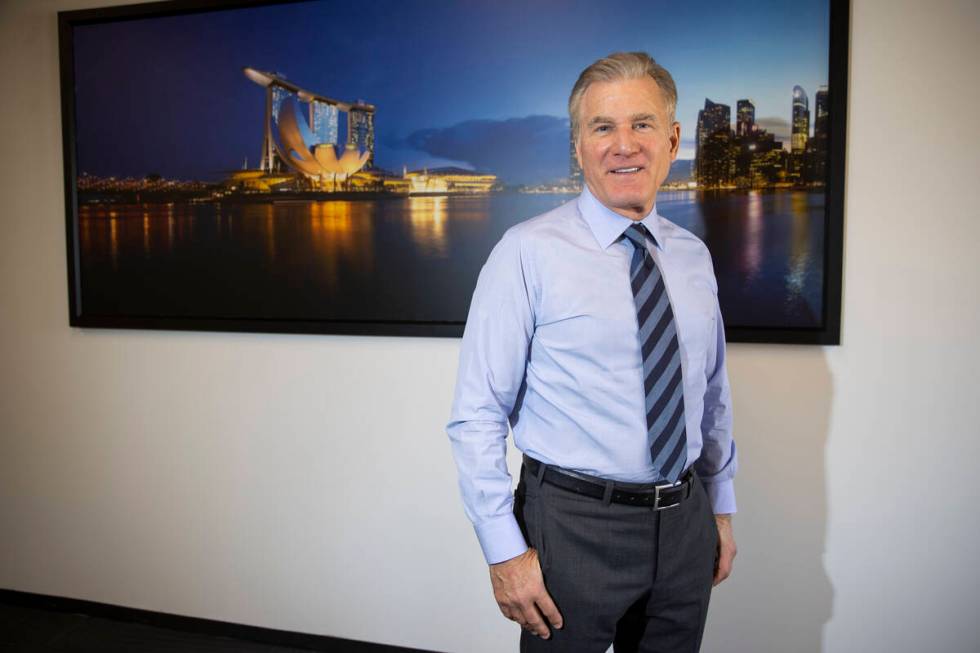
column 329, row 167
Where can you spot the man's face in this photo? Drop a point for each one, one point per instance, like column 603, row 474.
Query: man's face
column 625, row 145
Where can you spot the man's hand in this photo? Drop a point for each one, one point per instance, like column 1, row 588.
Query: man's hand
column 519, row 589
column 726, row 548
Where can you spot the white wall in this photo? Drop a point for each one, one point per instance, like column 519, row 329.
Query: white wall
column 222, row 476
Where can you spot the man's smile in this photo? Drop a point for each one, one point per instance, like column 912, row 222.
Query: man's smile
column 626, row 171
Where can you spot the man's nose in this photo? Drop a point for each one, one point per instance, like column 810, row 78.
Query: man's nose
column 625, row 143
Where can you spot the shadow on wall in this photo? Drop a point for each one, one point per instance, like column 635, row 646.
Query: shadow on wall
column 779, row 596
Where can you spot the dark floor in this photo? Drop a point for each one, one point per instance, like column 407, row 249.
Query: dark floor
column 30, row 630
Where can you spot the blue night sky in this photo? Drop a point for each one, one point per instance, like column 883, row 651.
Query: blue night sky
column 478, row 84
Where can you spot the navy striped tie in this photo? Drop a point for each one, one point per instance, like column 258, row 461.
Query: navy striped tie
column 661, row 355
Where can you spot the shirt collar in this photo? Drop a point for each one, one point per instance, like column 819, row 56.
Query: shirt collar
column 607, row 225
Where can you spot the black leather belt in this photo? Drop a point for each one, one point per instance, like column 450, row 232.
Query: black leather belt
column 659, row 497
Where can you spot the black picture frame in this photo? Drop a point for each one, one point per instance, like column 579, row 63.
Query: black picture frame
column 828, row 333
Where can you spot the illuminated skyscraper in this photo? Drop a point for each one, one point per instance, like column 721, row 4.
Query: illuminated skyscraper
column 360, row 131
column 279, row 95
column 323, row 121
column 801, row 120
column 275, row 95
column 745, row 117
column 816, row 151
column 801, row 131
column 822, row 100
column 713, row 156
column 574, row 169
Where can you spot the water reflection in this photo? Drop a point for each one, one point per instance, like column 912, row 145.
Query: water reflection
column 146, row 234
column 412, row 258
column 799, row 255
column 341, row 234
column 685, row 210
column 754, row 237
column 170, row 227
column 766, row 249
column 270, row 233
column 427, row 217
column 114, row 239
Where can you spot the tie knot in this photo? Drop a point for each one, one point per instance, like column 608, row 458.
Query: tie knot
column 637, row 234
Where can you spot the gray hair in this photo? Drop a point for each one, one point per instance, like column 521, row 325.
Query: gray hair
column 617, row 66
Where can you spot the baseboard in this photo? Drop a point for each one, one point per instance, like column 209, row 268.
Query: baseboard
column 197, row 625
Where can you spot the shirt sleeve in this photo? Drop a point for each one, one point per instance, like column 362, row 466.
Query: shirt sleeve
column 719, row 459
column 492, row 361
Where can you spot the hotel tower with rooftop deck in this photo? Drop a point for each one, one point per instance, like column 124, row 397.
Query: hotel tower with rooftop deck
column 308, row 144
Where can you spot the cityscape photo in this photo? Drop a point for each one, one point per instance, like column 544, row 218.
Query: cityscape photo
column 325, row 164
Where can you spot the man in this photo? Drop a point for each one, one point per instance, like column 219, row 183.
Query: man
column 594, row 330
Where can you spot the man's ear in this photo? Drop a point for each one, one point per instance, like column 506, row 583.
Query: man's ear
column 675, row 140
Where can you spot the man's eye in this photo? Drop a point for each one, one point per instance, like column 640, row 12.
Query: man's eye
column 601, row 128
column 643, row 125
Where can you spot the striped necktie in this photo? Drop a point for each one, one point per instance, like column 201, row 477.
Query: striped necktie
column 662, row 382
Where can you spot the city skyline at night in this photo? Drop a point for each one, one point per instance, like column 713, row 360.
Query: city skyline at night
column 469, row 87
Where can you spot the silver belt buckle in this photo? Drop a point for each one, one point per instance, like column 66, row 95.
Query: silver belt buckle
column 656, row 496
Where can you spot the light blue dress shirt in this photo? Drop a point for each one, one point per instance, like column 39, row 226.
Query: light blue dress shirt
column 551, row 348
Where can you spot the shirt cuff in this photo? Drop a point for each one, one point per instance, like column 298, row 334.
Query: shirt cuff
column 501, row 539
column 721, row 494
